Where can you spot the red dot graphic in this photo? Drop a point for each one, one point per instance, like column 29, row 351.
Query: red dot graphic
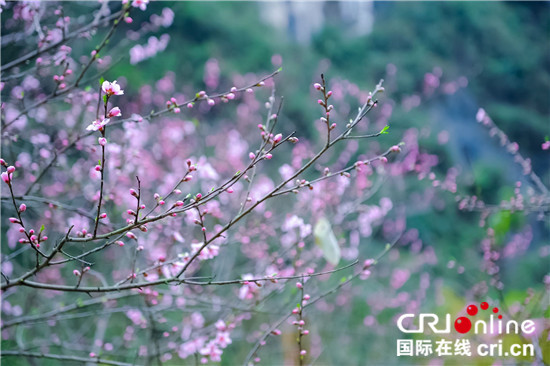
column 463, row 325
column 484, row 306
column 495, row 310
column 471, row 310
column 500, row 316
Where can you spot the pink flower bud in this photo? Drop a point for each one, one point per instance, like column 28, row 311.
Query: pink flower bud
column 295, row 311
column 250, row 90
column 13, row 220
column 261, row 83
column 305, row 332
column 103, row 216
column 198, row 196
column 395, row 148
column 303, row 352
column 97, row 168
column 211, row 102
column 6, row 177
column 131, row 236
column 21, row 229
column 278, row 137
column 203, row 229
column 119, row 243
column 268, row 156
column 131, row 212
column 177, row 110
column 22, row 241
column 76, row 272
column 34, row 237
column 230, row 190
column 188, row 178
column 233, row 89
column 44, row 238
column 307, row 297
column 127, row 20
column 102, row 141
column 299, row 285
column 252, row 156
column 179, row 203
column 202, row 94
column 320, row 102
column 133, row 192
column 85, row 269
column 22, row 207
column 3, row 162
column 317, row 86
column 189, row 105
column 383, row 159
column 115, row 112
column 230, row 96
column 329, row 94
column 161, row 202
column 11, row 169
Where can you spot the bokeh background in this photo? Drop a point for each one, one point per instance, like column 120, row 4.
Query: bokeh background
column 441, row 62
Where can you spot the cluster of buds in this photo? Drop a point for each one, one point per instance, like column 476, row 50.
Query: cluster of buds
column 83, row 234
column 7, row 176
column 365, row 272
column 229, row 96
column 202, row 95
column 63, row 21
column 172, row 104
column 300, row 183
column 31, row 236
column 159, row 199
column 60, row 79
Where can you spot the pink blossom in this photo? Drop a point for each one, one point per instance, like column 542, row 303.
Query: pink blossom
column 97, row 125
column 252, row 156
column 76, row 272
column 22, row 207
column 102, row 141
column 223, row 339
column 317, row 86
column 11, row 169
column 546, row 145
column 142, row 4
column 6, row 177
column 112, row 88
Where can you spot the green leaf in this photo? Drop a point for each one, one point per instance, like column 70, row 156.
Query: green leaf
column 104, row 99
column 280, row 69
column 385, row 130
column 99, row 162
column 326, row 240
column 101, row 80
column 42, row 228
